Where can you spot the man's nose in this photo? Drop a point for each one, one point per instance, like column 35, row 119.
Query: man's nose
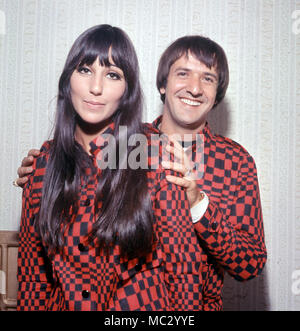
column 195, row 86
column 96, row 85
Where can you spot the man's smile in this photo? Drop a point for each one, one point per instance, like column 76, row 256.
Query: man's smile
column 191, row 102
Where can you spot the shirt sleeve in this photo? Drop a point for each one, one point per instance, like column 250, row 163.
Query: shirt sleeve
column 200, row 208
column 34, row 268
column 234, row 235
column 180, row 247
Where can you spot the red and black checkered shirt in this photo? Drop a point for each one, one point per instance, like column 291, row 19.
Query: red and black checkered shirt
column 86, row 278
column 231, row 230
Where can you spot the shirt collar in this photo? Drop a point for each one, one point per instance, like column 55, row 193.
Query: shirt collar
column 206, row 131
column 97, row 143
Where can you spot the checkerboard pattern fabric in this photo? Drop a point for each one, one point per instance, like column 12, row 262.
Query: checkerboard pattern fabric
column 86, row 278
column 231, row 230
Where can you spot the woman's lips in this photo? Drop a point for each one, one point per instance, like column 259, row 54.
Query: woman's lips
column 94, row 104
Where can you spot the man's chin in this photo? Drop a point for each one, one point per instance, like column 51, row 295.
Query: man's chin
column 191, row 124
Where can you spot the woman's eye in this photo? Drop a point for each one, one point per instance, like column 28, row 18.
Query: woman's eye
column 114, row 76
column 83, row 70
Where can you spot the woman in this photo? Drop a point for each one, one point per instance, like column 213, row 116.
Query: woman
column 103, row 239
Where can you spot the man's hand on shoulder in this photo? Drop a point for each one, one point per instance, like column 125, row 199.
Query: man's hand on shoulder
column 26, row 167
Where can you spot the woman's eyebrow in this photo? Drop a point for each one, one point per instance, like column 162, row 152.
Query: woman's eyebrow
column 114, row 66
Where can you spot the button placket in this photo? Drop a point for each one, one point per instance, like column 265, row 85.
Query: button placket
column 87, row 202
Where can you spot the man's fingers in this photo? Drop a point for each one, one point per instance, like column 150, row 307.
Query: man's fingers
column 174, row 166
column 180, row 155
column 26, row 167
column 178, row 181
column 178, row 152
column 175, row 142
column 34, row 152
column 23, row 171
column 186, row 172
column 22, row 181
column 27, row 161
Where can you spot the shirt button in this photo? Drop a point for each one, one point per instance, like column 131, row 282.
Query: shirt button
column 87, row 202
column 81, row 247
column 138, row 267
column 85, row 294
column 214, row 226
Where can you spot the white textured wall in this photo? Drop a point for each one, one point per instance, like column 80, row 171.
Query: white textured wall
column 261, row 110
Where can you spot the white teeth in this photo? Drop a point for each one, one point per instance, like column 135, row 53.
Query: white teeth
column 190, row 102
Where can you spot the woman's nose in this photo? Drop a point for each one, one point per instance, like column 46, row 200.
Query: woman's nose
column 96, row 85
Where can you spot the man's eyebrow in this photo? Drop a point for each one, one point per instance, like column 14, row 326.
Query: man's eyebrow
column 206, row 73
column 182, row 69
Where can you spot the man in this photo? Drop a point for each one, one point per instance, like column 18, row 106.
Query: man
column 192, row 79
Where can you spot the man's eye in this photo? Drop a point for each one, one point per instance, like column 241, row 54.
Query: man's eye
column 210, row 80
column 181, row 73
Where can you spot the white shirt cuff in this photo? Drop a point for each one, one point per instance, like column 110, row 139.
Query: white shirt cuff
column 200, row 208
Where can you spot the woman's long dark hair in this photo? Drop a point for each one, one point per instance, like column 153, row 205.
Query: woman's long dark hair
column 126, row 216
